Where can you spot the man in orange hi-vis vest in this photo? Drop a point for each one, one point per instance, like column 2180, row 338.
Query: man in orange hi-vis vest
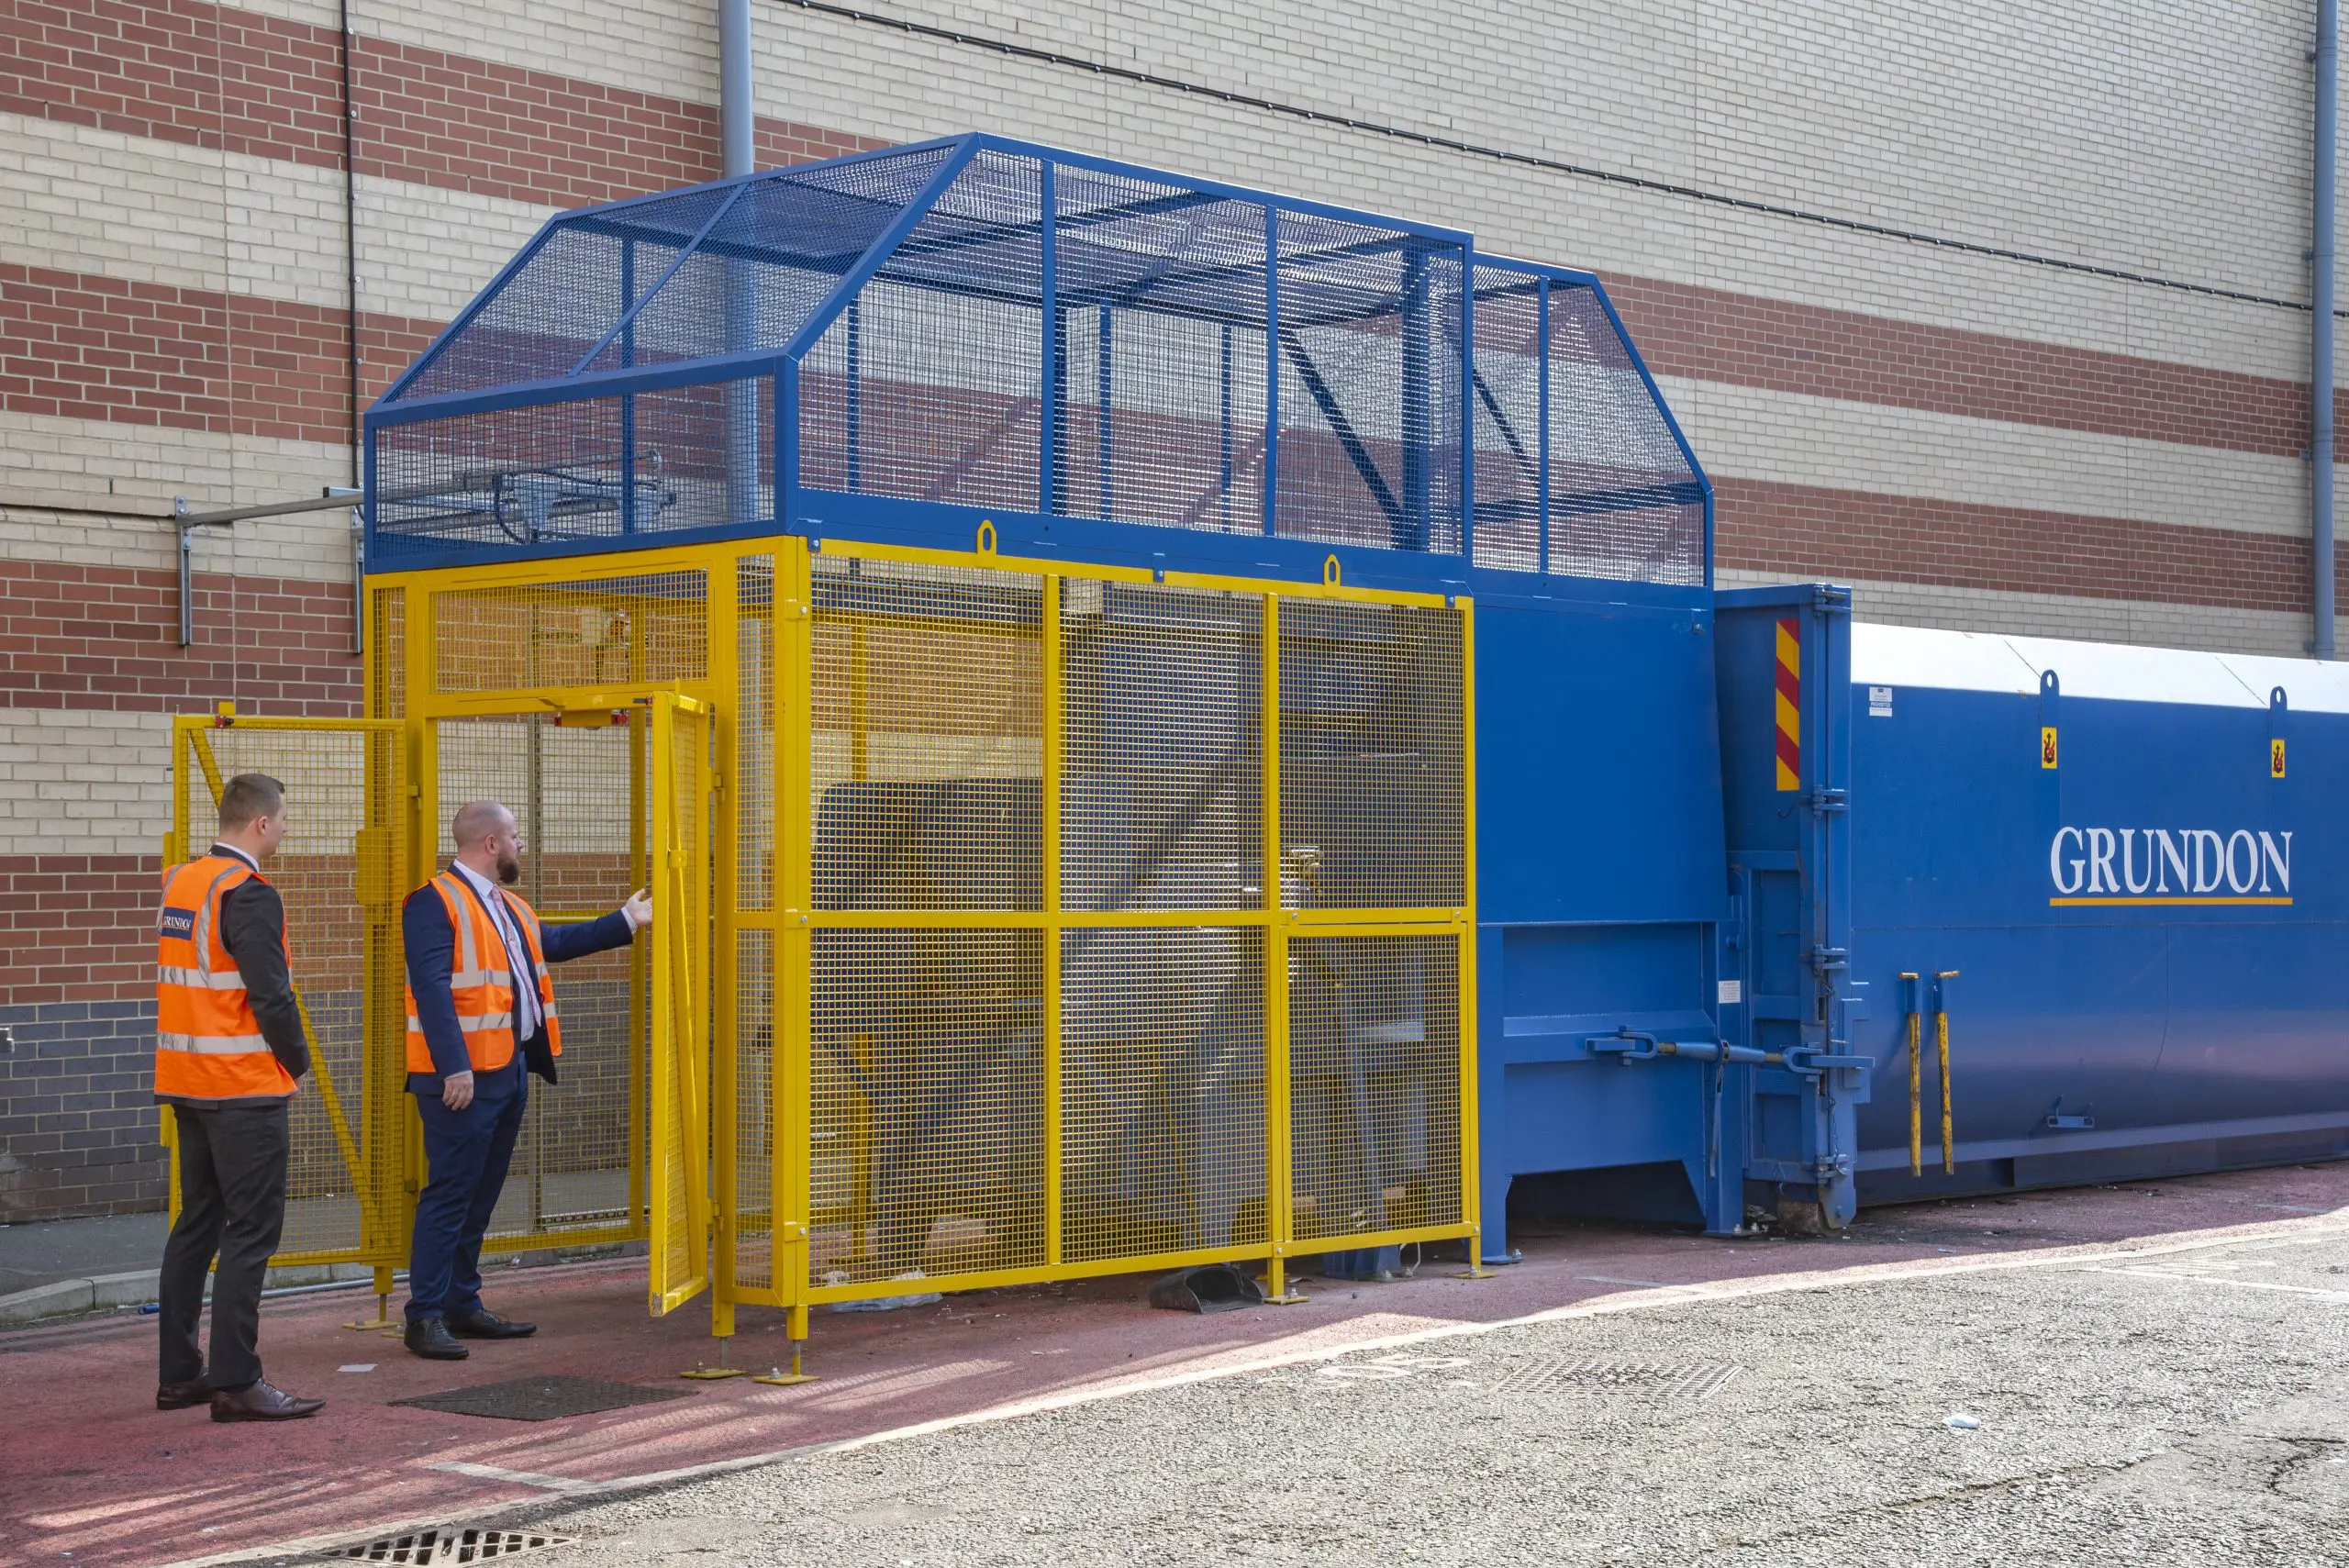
column 229, row 1055
column 480, row 1010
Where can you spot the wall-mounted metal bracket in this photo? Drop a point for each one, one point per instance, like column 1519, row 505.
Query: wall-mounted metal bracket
column 187, row 522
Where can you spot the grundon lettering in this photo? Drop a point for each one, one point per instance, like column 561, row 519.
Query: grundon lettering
column 2166, row 862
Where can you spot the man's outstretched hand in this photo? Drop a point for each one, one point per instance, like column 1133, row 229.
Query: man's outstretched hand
column 638, row 910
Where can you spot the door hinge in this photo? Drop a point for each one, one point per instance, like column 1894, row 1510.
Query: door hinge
column 1826, row 802
column 1830, row 601
column 1825, row 957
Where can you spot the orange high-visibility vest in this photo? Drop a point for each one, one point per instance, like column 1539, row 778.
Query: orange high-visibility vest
column 480, row 983
column 208, row 1045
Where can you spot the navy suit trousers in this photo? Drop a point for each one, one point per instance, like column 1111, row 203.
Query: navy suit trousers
column 467, row 1154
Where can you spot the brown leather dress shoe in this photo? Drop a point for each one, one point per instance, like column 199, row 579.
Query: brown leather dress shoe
column 261, row 1403
column 182, row 1395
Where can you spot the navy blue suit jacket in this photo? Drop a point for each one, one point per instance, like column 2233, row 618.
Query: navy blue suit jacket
column 431, row 943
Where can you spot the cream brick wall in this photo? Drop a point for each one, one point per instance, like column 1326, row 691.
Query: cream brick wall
column 1749, row 433
column 84, row 784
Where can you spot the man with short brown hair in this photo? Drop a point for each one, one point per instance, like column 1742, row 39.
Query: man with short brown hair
column 229, row 1055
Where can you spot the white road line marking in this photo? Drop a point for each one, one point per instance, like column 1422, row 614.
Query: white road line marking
column 516, row 1477
column 2309, row 1232
column 2220, row 1279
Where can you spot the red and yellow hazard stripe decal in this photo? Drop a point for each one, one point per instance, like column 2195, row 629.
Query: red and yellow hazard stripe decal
column 1790, row 704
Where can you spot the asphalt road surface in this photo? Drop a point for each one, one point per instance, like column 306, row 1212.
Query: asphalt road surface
column 2186, row 1404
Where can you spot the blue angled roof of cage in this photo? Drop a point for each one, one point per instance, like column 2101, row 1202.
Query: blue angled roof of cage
column 984, row 324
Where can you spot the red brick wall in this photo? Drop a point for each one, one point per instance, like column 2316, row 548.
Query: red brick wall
column 80, row 927
column 103, row 636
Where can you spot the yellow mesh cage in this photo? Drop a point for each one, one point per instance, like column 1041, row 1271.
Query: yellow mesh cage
column 1016, row 921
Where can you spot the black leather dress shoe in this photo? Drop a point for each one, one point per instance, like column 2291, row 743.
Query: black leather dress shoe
column 429, row 1338
column 182, row 1395
column 482, row 1324
column 261, row 1403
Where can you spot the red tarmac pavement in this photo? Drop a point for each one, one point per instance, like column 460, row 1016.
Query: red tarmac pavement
column 95, row 1477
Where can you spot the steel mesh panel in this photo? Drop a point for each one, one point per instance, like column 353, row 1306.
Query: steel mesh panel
column 1623, row 501
column 1373, row 1083
column 337, row 783
column 587, row 632
column 705, row 458
column 1162, row 1091
column 1508, row 403
column 1372, row 812
column 1162, row 784
column 575, row 287
column 754, row 737
column 779, row 249
column 1369, row 402
column 388, row 655
column 927, row 1099
column 572, row 1165
column 926, row 756
column 1161, row 353
column 928, row 386
column 549, row 473
column 754, row 1004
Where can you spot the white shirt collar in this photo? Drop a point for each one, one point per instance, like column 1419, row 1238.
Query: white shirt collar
column 482, row 885
column 235, row 853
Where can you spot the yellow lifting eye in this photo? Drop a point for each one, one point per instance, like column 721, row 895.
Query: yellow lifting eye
column 987, row 538
column 1331, row 573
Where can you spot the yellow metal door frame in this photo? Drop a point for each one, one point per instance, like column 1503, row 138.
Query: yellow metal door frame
column 678, row 1223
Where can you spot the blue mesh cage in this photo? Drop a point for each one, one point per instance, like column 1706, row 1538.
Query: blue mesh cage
column 889, row 343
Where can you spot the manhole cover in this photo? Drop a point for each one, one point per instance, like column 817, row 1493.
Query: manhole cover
column 540, row 1399
column 449, row 1546
column 1657, row 1380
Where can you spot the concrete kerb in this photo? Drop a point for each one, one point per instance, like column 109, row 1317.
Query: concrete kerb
column 71, row 1297
column 102, row 1293
column 561, row 1491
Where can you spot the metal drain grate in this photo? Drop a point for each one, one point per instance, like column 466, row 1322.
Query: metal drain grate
column 1657, row 1380
column 449, row 1546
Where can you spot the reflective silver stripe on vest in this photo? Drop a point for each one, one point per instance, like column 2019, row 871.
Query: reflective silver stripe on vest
column 467, row 1026
column 212, row 1044
column 204, row 915
column 466, row 978
column 223, row 980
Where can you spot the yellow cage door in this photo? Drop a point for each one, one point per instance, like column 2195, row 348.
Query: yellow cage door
column 683, row 736
column 337, row 871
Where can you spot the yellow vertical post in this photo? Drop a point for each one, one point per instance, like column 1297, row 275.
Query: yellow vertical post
column 1279, row 1219
column 1941, row 1038
column 639, row 954
column 1470, row 1134
column 421, row 641
column 1049, row 768
column 174, row 854
column 795, row 727
column 724, row 597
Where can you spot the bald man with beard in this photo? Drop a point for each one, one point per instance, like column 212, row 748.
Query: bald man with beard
column 480, row 1018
